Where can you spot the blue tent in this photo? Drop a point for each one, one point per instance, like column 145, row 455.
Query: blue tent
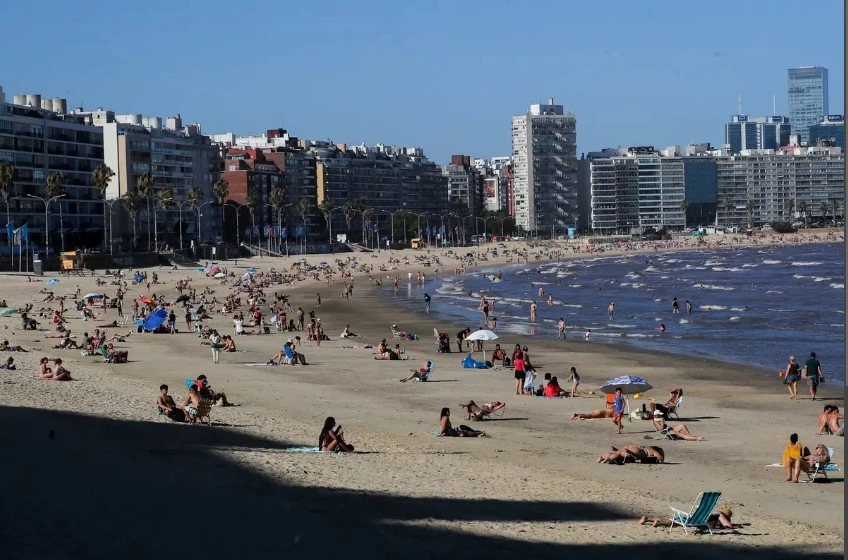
column 155, row 320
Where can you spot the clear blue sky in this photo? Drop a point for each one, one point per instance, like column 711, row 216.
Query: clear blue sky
column 440, row 74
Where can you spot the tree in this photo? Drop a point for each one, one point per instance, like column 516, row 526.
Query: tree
column 728, row 206
column 684, row 205
column 303, row 207
column 220, row 190
column 824, row 206
column 802, row 208
column 8, row 176
column 367, row 217
column 834, row 205
column 750, row 206
column 194, row 198
column 326, row 207
column 145, row 185
column 131, row 202
column 277, row 200
column 100, row 178
column 789, row 205
column 251, row 200
column 349, row 210
column 56, row 187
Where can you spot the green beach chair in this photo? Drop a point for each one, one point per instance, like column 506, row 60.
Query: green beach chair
column 700, row 512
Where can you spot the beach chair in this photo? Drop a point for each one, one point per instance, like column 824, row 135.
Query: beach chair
column 426, row 376
column 289, row 359
column 676, row 407
column 818, row 468
column 697, row 517
column 396, row 334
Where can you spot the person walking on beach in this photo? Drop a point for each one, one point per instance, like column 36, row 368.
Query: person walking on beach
column 611, row 310
column 813, row 374
column 675, row 306
column 427, row 300
column 300, row 315
column 574, row 378
column 172, row 321
column 561, row 327
column 618, row 409
column 318, row 299
column 793, row 371
column 533, row 311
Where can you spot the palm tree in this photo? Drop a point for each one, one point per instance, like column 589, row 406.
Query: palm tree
column 802, row 208
column 824, row 207
column 326, row 208
column 277, row 200
column 728, row 206
column 56, row 187
column 750, row 206
column 194, row 198
column 367, row 217
column 834, row 205
column 145, row 186
column 8, row 176
column 100, row 178
column 251, row 200
column 220, row 190
column 349, row 209
column 303, row 207
column 789, row 205
column 132, row 203
column 684, row 205
column 165, row 200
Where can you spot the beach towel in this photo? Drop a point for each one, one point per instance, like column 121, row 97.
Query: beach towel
column 470, row 363
column 260, row 364
column 303, row 450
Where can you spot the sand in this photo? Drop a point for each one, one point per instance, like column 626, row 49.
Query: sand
column 114, row 479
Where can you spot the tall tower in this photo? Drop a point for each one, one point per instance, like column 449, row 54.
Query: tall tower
column 544, row 149
column 808, row 102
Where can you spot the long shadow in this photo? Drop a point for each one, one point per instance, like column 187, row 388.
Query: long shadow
column 442, row 380
column 106, row 488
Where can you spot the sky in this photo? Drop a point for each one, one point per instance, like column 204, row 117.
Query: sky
column 442, row 75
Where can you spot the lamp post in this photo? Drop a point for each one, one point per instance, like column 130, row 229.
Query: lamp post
column 442, row 231
column 237, row 207
column 455, row 234
column 330, row 222
column 392, row 214
column 180, row 204
column 476, row 230
column 418, row 221
column 111, row 204
column 46, row 201
column 200, row 215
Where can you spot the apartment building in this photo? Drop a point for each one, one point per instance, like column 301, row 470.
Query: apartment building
column 808, row 98
column 544, row 147
column 40, row 138
column 465, row 185
column 830, row 131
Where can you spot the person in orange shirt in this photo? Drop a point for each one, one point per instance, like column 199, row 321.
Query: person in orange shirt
column 793, row 459
column 553, row 389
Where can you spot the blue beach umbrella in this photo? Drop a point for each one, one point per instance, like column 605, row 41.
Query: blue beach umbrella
column 629, row 385
column 155, row 320
column 52, row 281
column 251, row 270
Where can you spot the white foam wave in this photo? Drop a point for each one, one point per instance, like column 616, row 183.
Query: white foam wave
column 652, row 269
column 712, row 287
column 737, row 309
column 774, row 292
column 838, row 286
column 771, row 261
column 725, row 269
column 806, row 263
column 735, row 318
column 800, row 276
column 620, row 326
column 821, row 279
column 713, row 263
column 684, row 321
column 712, row 307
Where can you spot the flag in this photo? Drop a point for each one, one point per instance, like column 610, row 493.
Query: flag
column 25, row 233
column 16, row 238
column 284, row 233
column 247, row 231
column 10, row 230
column 255, row 230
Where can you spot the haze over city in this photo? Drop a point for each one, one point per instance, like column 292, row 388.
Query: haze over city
column 443, row 76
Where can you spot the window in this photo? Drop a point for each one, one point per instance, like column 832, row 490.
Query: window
column 37, row 174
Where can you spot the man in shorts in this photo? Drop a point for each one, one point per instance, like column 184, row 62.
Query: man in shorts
column 618, row 409
column 813, row 374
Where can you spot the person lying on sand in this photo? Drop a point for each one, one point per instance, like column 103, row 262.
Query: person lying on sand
column 332, row 437
column 632, row 453
column 482, row 412
column 112, row 325
column 5, row 347
column 417, row 373
column 717, row 521
column 169, row 408
column 674, row 432
column 595, row 414
column 828, row 419
column 449, row 431
column 9, row 364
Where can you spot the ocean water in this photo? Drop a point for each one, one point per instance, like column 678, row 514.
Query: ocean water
column 751, row 306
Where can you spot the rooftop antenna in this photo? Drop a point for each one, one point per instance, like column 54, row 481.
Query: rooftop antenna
column 773, row 104
column 740, row 105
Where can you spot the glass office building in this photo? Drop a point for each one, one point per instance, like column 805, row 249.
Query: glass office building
column 807, row 98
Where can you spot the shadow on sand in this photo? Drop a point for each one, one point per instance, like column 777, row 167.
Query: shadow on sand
column 126, row 489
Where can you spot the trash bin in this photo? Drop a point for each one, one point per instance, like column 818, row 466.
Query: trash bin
column 36, row 266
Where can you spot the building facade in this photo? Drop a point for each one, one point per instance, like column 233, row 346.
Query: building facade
column 465, row 185
column 830, row 130
column 808, row 98
column 744, row 132
column 40, row 141
column 757, row 187
column 699, row 177
column 251, row 175
column 544, row 148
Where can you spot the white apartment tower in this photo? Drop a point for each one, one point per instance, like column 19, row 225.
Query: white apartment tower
column 544, row 149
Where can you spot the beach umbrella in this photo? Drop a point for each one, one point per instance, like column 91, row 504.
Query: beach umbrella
column 52, row 281
column 92, row 296
column 251, row 269
column 303, row 260
column 219, row 275
column 155, row 320
column 629, row 384
column 322, row 263
column 138, row 278
column 482, row 335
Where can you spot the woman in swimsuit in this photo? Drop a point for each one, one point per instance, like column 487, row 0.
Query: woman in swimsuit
column 331, row 438
column 449, row 431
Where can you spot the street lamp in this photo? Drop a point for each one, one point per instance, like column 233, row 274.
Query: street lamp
column 330, row 222
column 46, row 201
column 476, row 230
column 111, row 204
column 418, row 221
column 392, row 214
column 180, row 204
column 237, row 207
column 200, row 215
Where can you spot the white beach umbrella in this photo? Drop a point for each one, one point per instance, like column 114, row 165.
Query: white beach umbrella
column 482, row 335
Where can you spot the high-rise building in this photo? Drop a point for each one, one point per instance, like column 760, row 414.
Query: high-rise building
column 251, row 175
column 744, row 132
column 465, row 185
column 830, row 130
column 808, row 98
column 40, row 141
column 544, row 150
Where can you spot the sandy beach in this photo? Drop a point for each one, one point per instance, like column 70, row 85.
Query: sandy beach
column 92, row 471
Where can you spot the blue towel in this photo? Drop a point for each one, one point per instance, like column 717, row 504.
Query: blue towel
column 303, row 450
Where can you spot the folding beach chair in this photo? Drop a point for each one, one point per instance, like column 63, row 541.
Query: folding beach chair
column 676, row 407
column 819, row 467
column 697, row 517
column 396, row 334
column 426, row 376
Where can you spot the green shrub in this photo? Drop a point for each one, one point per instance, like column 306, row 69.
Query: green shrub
column 782, row 227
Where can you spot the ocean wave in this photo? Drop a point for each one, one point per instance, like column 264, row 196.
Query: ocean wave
column 771, row 261
column 821, row 279
column 774, row 292
column 673, row 261
column 632, row 275
column 737, row 309
column 712, row 287
column 734, row 318
column 713, row 263
column 800, row 276
column 652, row 269
column 725, row 269
column 806, row 263
column 620, row 326
column 575, row 285
column 838, row 286
column 750, row 265
column 712, row 307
